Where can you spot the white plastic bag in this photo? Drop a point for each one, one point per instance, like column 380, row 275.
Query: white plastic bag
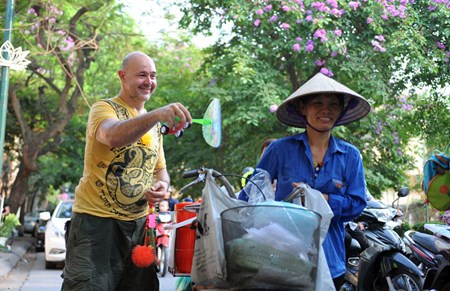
column 209, row 265
column 315, row 201
column 259, row 188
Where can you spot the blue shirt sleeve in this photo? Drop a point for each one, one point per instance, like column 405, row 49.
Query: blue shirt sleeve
column 350, row 204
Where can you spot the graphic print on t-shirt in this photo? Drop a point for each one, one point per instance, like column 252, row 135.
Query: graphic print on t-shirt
column 128, row 176
column 130, row 173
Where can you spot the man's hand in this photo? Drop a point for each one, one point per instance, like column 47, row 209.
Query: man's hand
column 174, row 114
column 158, row 192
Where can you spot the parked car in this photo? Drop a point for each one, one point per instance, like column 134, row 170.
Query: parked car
column 55, row 244
column 39, row 234
column 30, row 221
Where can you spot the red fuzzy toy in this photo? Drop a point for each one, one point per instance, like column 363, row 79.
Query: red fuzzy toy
column 143, row 256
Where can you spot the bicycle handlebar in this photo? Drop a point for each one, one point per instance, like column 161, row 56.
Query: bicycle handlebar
column 190, row 174
column 203, row 171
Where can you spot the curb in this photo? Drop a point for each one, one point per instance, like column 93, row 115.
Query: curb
column 11, row 256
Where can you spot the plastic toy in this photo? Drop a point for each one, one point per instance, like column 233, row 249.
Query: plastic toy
column 178, row 131
column 211, row 125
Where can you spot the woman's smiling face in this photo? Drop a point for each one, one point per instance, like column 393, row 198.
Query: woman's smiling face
column 322, row 111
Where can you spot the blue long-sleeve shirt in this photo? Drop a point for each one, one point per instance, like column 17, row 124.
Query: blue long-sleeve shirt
column 341, row 176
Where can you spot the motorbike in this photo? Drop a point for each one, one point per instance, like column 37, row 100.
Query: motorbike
column 384, row 264
column 162, row 242
column 431, row 252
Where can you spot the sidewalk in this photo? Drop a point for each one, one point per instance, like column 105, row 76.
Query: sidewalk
column 10, row 258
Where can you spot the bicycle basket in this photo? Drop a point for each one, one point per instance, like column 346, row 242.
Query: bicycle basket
column 272, row 246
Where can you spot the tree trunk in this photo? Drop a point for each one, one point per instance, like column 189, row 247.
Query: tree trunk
column 19, row 189
column 38, row 142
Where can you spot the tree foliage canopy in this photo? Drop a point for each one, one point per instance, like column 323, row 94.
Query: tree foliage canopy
column 395, row 53
column 73, row 47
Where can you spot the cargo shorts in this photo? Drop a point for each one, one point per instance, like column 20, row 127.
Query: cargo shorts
column 99, row 255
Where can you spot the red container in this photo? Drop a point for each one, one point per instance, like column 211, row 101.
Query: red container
column 184, row 240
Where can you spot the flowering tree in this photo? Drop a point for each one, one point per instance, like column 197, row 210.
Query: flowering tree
column 63, row 78
column 390, row 51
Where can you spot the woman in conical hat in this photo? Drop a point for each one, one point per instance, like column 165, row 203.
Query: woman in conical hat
column 315, row 157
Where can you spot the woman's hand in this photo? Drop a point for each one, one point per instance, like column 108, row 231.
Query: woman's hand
column 296, row 184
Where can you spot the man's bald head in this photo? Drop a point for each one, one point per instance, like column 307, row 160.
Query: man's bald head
column 138, row 76
column 132, row 56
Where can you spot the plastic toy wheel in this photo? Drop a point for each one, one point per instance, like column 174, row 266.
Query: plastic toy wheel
column 162, row 254
column 179, row 133
column 164, row 129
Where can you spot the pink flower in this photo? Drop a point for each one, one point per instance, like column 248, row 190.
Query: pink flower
column 320, row 6
column 338, row 32
column 393, row 11
column 268, row 8
column 273, row 18
column 320, row 63
column 285, row 26
column 440, row 45
column 273, row 108
column 32, row 11
column 69, row 44
column 55, row 10
column 321, row 34
column 407, row 107
column 296, row 47
column 286, row 8
column 353, row 4
column 257, row 22
column 377, row 46
column 369, row 20
column 298, row 39
column 332, row 3
column 327, row 72
column 259, row 12
column 380, row 37
column 309, row 46
column 334, row 11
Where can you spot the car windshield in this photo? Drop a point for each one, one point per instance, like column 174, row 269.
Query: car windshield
column 34, row 213
column 65, row 211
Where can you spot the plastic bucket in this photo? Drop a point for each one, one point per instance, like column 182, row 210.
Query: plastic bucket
column 184, row 240
column 271, row 246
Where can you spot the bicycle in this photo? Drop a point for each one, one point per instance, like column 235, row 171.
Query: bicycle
column 216, row 234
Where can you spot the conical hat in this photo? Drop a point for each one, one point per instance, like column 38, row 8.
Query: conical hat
column 355, row 106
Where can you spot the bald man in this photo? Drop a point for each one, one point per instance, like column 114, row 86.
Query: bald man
column 124, row 172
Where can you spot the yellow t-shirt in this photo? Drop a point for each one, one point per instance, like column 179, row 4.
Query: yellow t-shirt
column 114, row 179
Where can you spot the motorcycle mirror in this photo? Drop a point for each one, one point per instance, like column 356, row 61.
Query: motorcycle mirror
column 403, row 192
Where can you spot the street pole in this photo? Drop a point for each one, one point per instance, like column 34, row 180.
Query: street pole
column 4, row 86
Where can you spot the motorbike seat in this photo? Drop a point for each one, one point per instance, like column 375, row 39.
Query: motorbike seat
column 425, row 240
